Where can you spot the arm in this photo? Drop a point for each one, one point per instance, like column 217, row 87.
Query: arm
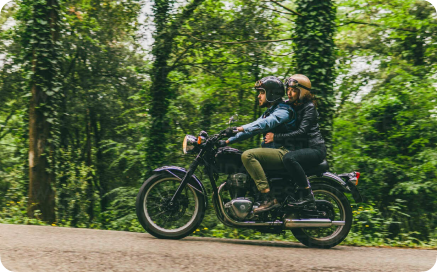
column 262, row 125
column 309, row 118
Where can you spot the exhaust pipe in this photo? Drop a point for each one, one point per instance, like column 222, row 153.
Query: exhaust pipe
column 311, row 223
column 289, row 223
column 276, row 223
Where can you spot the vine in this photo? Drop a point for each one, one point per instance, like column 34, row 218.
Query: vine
column 39, row 30
column 315, row 55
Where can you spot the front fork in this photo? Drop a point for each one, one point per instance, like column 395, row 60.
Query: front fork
column 187, row 177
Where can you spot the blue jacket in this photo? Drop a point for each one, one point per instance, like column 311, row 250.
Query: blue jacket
column 279, row 118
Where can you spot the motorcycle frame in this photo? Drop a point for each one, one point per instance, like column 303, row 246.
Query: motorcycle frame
column 189, row 179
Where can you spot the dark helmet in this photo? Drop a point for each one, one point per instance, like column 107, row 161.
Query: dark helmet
column 273, row 87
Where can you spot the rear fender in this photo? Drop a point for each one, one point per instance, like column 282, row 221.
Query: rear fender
column 339, row 183
column 180, row 172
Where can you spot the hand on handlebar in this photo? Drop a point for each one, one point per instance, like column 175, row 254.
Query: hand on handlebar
column 231, row 131
column 222, row 143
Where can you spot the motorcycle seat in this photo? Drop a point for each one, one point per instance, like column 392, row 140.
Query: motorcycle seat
column 319, row 169
column 309, row 171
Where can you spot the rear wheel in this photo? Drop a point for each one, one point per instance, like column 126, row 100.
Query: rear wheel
column 339, row 209
column 163, row 220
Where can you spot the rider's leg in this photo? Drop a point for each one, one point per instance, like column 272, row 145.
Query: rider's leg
column 255, row 160
column 293, row 162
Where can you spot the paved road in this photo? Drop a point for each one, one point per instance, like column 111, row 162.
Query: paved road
column 38, row 248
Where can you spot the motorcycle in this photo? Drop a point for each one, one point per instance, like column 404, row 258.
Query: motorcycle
column 172, row 202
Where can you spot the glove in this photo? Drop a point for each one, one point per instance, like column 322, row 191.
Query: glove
column 221, row 143
column 231, row 131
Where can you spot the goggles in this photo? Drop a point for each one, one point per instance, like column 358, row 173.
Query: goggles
column 291, row 82
column 258, row 84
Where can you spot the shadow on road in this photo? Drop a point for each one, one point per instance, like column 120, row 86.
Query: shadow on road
column 249, row 242
column 243, row 242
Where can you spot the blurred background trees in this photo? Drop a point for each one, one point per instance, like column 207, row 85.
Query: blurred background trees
column 122, row 82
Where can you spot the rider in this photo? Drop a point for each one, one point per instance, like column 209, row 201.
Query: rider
column 310, row 146
column 278, row 118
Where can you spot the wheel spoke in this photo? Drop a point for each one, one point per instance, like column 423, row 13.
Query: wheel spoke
column 152, row 205
column 166, row 220
column 157, row 198
column 324, row 233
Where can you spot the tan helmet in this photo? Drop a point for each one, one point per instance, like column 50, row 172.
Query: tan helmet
column 300, row 82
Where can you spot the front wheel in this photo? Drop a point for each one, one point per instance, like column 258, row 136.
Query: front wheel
column 340, row 210
column 162, row 220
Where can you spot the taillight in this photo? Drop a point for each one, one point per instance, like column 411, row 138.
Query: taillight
column 357, row 174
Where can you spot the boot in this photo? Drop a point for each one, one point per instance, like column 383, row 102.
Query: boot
column 306, row 199
column 269, row 203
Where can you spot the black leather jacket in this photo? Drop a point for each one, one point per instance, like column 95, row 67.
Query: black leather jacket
column 307, row 133
column 282, row 128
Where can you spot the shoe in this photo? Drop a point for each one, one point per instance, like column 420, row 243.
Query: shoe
column 258, row 199
column 269, row 204
column 306, row 200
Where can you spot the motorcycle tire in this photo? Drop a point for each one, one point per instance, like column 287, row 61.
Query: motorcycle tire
column 143, row 209
column 304, row 236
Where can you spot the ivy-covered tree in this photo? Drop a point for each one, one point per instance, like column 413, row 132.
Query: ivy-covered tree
column 385, row 124
column 41, row 51
column 167, row 28
column 315, row 55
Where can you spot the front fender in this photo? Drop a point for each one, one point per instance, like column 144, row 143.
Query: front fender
column 180, row 172
column 339, row 183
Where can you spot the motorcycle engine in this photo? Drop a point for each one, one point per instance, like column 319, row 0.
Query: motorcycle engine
column 237, row 185
column 239, row 208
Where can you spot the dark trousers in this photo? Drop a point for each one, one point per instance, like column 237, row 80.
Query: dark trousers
column 294, row 161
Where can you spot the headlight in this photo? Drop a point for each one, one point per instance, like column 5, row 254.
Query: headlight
column 189, row 143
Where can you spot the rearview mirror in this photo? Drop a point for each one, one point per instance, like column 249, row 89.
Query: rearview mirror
column 233, row 119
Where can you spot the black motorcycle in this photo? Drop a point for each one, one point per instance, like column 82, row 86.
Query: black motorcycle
column 171, row 203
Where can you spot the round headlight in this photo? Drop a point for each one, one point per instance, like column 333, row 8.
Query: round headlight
column 189, row 142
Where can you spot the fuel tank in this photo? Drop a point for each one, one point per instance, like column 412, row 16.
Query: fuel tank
column 228, row 161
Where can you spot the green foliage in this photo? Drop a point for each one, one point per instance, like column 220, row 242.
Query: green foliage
column 103, row 107
column 41, row 56
column 73, row 203
column 372, row 228
column 120, row 215
column 389, row 133
column 13, row 199
column 315, row 55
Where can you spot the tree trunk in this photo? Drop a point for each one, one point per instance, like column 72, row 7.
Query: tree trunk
column 315, row 56
column 41, row 194
column 101, row 181
column 63, row 164
column 207, row 110
column 160, row 89
column 89, row 163
column 42, row 49
column 256, row 109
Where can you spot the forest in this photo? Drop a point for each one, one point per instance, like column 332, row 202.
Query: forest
column 95, row 94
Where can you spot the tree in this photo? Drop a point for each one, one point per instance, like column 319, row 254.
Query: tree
column 101, row 69
column 388, row 133
column 40, row 45
column 167, row 28
column 314, row 55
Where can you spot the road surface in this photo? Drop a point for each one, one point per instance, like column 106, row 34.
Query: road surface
column 41, row 248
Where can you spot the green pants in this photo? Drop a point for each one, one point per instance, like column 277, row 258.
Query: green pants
column 257, row 159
